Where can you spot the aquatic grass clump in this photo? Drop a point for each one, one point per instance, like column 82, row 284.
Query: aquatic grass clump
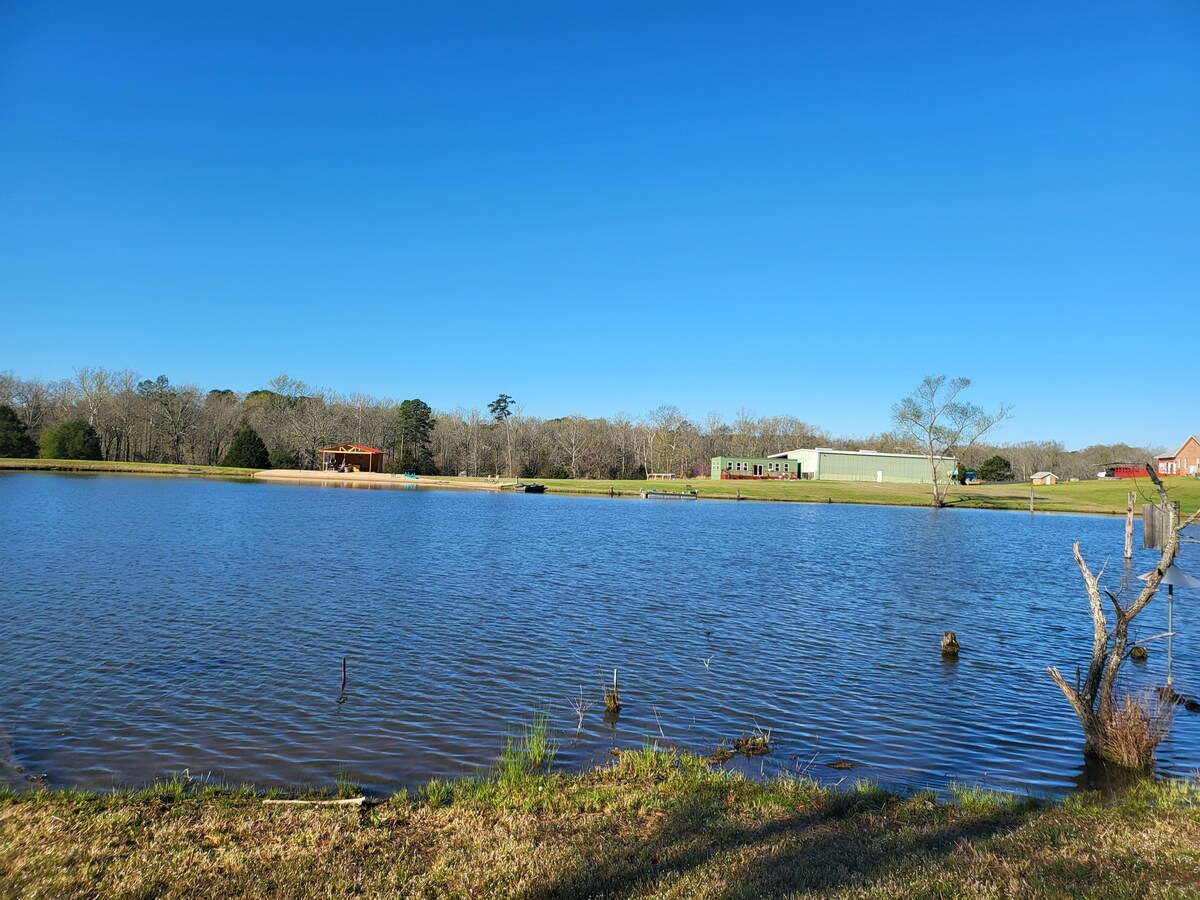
column 974, row 798
column 651, row 763
column 1147, row 795
column 1178, row 793
column 511, row 767
column 722, row 754
column 474, row 789
column 532, row 752
column 181, row 787
column 345, row 787
column 436, row 793
column 1134, row 730
column 643, row 763
column 538, row 745
column 756, row 744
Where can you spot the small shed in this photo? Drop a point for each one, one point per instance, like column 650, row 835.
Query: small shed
column 352, row 458
column 1045, row 478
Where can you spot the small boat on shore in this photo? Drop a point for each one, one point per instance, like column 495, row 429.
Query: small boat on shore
column 656, row 494
column 529, row 488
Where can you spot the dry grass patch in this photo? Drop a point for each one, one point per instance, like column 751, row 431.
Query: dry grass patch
column 651, row 824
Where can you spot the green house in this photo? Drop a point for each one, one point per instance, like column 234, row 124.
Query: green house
column 758, row 468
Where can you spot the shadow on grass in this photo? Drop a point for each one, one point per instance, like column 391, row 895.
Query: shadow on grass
column 849, row 841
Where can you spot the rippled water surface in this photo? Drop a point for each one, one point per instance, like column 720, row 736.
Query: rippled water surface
column 159, row 626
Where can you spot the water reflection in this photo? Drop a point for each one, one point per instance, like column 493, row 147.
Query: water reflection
column 1108, row 780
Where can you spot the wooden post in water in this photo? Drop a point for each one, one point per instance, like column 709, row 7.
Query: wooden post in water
column 1031, row 496
column 612, row 700
column 1129, row 525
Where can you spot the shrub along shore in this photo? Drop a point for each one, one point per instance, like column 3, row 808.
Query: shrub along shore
column 1102, row 496
column 651, row 824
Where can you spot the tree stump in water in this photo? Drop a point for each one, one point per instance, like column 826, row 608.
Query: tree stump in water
column 949, row 644
column 612, row 700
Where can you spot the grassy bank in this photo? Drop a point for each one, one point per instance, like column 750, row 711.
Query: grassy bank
column 652, row 824
column 128, row 468
column 1101, row 496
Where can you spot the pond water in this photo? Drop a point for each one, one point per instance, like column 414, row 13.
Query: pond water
column 154, row 627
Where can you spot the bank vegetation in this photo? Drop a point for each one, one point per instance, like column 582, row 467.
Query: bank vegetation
column 651, row 824
column 156, row 420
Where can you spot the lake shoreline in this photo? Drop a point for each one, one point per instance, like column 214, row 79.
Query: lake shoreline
column 1106, row 498
column 331, row 478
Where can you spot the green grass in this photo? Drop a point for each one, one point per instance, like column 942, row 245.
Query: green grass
column 1100, row 496
column 651, row 824
column 436, row 793
column 130, row 468
column 531, row 752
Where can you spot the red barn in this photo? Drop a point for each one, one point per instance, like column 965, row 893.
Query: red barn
column 1126, row 470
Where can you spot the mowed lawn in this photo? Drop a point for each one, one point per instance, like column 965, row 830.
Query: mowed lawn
column 1099, row 496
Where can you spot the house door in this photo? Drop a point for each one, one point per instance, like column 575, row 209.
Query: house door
column 758, row 471
column 879, row 476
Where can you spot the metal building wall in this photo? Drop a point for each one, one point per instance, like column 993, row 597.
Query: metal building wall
column 864, row 466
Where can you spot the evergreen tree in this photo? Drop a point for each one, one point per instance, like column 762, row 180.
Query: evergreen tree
column 247, row 451
column 71, row 440
column 283, row 458
column 414, row 431
column 997, row 468
column 15, row 442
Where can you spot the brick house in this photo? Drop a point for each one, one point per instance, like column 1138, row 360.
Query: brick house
column 1184, row 461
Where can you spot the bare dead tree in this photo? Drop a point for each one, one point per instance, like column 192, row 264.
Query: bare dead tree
column 943, row 424
column 1092, row 698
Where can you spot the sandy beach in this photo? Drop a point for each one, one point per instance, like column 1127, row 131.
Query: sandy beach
column 379, row 479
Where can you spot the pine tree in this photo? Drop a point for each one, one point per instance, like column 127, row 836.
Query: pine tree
column 15, row 441
column 247, row 451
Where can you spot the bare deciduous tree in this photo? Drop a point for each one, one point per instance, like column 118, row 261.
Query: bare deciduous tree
column 1092, row 697
column 943, row 424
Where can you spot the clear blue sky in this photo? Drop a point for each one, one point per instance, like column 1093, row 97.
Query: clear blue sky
column 798, row 208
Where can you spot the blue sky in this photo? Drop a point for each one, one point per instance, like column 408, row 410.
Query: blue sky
column 797, row 208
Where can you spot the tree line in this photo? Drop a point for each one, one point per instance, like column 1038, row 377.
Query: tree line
column 133, row 418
